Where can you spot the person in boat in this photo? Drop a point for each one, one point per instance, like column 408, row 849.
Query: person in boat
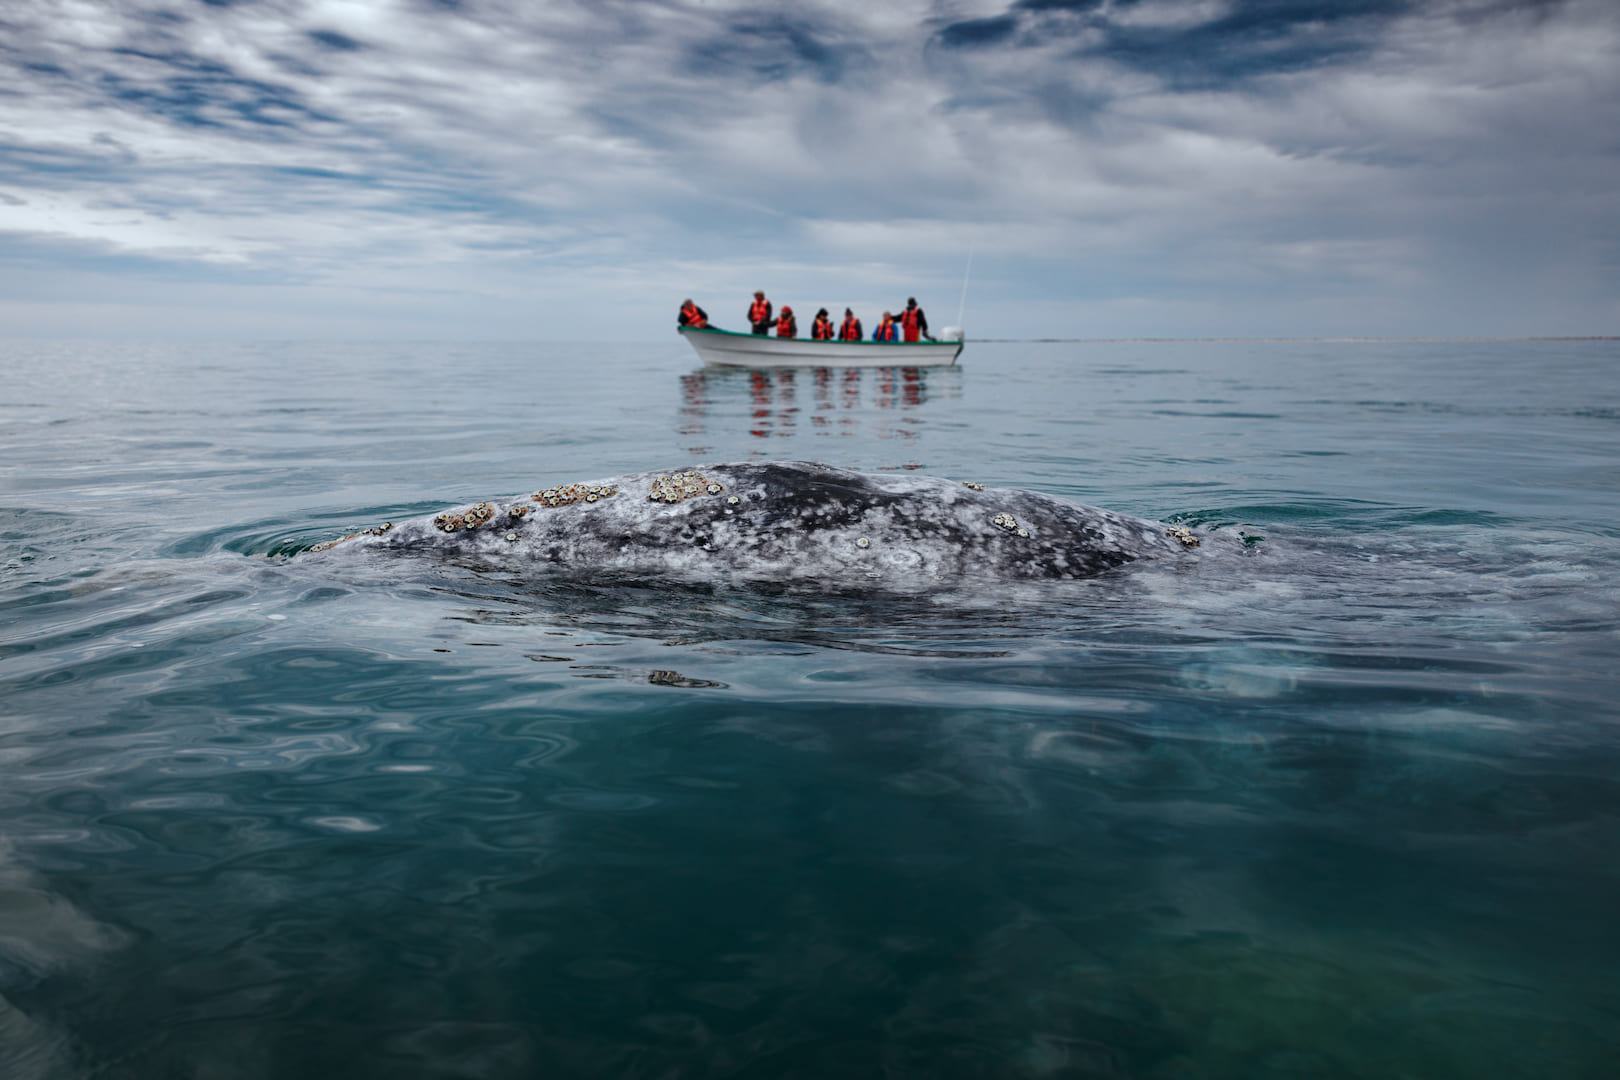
column 787, row 325
column 693, row 316
column 887, row 330
column 759, row 313
column 913, row 322
column 851, row 330
column 822, row 328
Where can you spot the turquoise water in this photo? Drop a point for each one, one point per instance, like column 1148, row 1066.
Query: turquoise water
column 1348, row 807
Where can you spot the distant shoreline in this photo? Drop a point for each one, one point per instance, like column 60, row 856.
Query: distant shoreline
column 1281, row 340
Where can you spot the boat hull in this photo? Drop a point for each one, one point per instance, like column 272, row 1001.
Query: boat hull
column 726, row 348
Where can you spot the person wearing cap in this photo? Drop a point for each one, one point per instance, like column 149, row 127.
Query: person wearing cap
column 913, row 322
column 759, row 313
column 787, row 325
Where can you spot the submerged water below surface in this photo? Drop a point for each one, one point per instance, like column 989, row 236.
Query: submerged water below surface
column 1346, row 807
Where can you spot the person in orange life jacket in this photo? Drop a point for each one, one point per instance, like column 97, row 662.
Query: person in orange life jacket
column 821, row 329
column 693, row 316
column 759, row 313
column 851, row 330
column 913, row 322
column 887, row 330
column 787, row 325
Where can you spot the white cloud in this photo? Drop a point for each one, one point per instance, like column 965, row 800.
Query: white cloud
column 507, row 149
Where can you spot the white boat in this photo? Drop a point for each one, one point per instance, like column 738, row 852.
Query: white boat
column 728, row 348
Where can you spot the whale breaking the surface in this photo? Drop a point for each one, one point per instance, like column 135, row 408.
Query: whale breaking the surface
column 793, row 524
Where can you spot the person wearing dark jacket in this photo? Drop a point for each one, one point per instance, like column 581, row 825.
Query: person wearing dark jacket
column 759, row 313
column 693, row 316
column 913, row 322
column 851, row 330
column 822, row 328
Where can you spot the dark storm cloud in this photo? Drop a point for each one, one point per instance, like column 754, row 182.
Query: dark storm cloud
column 979, row 33
column 199, row 92
column 336, row 42
column 1249, row 39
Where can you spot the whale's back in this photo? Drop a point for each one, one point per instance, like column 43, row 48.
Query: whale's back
column 792, row 523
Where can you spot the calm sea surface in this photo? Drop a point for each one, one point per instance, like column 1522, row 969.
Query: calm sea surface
column 1347, row 807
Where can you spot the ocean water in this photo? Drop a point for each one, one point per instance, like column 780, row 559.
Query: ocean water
column 1346, row 806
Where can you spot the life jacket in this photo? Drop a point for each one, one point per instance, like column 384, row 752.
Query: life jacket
column 759, row 310
column 910, row 318
column 694, row 317
column 885, row 331
column 821, row 329
column 851, row 330
column 787, row 326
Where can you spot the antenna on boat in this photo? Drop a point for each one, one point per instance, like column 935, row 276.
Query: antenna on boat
column 962, row 307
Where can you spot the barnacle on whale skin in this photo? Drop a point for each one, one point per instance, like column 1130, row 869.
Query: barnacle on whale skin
column 681, row 486
column 1183, row 535
column 327, row 545
column 567, row 494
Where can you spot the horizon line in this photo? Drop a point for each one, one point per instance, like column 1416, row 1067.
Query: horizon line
column 1346, row 340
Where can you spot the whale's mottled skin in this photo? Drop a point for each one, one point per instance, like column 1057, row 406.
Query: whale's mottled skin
column 788, row 523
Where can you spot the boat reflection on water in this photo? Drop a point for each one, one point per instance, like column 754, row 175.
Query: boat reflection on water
column 883, row 402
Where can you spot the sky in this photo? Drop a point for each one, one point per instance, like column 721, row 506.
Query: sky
column 526, row 170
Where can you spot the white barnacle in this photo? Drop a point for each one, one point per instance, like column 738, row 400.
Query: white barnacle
column 591, row 497
column 715, row 489
column 1023, row 532
column 1183, row 535
column 510, row 537
column 733, row 500
column 863, row 542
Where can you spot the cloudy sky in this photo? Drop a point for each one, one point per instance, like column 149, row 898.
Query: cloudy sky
column 519, row 169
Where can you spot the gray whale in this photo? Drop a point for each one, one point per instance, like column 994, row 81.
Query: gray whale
column 792, row 524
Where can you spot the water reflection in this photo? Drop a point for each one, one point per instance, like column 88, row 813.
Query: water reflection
column 789, row 402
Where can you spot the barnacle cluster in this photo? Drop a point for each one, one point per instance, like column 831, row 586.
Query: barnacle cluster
column 973, row 485
column 378, row 531
column 565, row 494
column 682, row 486
column 1182, row 535
column 1010, row 523
column 471, row 519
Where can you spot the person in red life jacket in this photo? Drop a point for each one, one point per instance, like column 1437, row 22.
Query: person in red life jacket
column 851, row 330
column 913, row 322
column 821, row 329
column 787, row 325
column 759, row 313
column 693, row 316
column 887, row 330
